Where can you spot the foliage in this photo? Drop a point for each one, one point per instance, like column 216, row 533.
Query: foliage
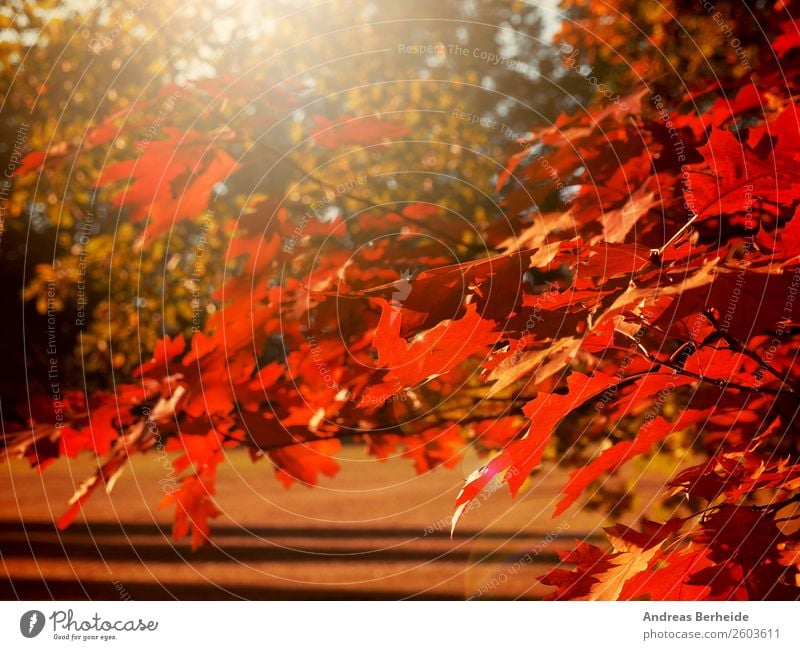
column 635, row 290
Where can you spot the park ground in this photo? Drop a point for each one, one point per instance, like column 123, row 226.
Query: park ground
column 375, row 531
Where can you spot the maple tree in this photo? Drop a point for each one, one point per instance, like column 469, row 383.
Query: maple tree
column 638, row 286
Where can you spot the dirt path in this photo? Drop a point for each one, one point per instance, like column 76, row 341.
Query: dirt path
column 375, row 531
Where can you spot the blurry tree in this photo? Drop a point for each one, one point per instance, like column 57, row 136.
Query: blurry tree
column 462, row 77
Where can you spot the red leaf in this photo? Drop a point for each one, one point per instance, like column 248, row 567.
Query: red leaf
column 521, row 456
column 610, row 460
column 172, row 180
column 33, row 161
column 193, row 509
column 306, row 461
column 740, row 174
column 429, row 355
